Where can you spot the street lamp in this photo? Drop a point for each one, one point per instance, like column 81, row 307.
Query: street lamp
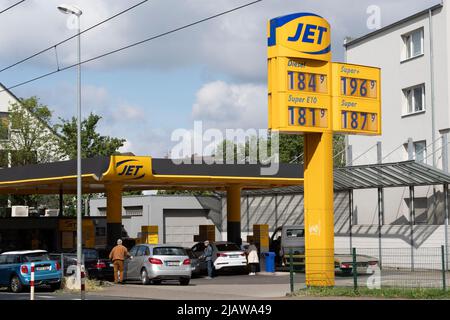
column 69, row 9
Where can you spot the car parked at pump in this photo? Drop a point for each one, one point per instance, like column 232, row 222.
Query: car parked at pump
column 227, row 256
column 96, row 266
column 196, row 264
column 343, row 264
column 156, row 263
column 15, row 270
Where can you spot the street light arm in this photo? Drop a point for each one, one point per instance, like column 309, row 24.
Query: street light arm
column 70, row 9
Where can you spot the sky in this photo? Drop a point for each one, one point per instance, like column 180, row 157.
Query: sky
column 214, row 72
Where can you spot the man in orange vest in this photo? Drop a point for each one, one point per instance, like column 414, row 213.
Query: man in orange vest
column 118, row 255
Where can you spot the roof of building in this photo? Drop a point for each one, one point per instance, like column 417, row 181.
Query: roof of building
column 392, row 25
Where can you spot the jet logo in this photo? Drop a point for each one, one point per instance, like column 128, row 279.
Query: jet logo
column 308, row 33
column 130, row 170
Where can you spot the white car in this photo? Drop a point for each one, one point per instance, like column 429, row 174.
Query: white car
column 226, row 256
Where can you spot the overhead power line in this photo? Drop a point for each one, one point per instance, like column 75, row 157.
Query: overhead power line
column 10, row 7
column 133, row 45
column 70, row 38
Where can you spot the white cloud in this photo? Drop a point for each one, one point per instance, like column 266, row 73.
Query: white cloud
column 234, row 44
column 222, row 105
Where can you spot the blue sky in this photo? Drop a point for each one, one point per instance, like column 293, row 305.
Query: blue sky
column 214, row 72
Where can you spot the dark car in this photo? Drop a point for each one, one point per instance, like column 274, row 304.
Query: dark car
column 97, row 264
column 197, row 266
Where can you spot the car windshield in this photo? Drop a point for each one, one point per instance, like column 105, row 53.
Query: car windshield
column 34, row 257
column 228, row 247
column 90, row 254
column 169, row 251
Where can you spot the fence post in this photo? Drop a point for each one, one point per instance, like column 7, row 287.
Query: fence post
column 32, row 282
column 291, row 270
column 355, row 271
column 444, row 282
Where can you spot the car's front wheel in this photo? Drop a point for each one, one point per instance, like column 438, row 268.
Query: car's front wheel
column 144, row 277
column 184, row 281
column 15, row 285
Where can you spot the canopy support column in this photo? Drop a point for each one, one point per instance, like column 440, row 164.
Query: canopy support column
column 446, row 223
column 113, row 213
column 234, row 213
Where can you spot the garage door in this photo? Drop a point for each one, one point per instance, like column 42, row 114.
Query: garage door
column 180, row 226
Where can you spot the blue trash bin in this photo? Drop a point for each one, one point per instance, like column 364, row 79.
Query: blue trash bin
column 270, row 261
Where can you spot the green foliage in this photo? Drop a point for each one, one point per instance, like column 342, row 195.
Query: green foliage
column 291, row 149
column 28, row 139
column 388, row 293
column 196, row 193
column 92, row 143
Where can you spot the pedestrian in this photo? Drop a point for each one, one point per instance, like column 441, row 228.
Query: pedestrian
column 252, row 258
column 118, row 255
column 207, row 255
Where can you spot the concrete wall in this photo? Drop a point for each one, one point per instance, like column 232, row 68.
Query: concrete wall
column 153, row 210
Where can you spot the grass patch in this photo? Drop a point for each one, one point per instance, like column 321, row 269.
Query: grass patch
column 388, row 293
column 90, row 285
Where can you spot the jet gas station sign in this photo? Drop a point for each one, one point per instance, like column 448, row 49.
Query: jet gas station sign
column 310, row 95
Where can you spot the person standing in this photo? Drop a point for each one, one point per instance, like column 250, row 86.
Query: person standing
column 207, row 255
column 118, row 255
column 252, row 258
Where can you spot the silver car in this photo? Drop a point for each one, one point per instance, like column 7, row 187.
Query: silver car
column 155, row 263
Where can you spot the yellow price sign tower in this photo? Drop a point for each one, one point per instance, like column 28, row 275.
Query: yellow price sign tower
column 310, row 95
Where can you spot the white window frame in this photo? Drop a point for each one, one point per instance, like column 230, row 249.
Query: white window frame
column 408, row 50
column 409, row 100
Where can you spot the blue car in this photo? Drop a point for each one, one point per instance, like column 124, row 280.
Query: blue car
column 15, row 270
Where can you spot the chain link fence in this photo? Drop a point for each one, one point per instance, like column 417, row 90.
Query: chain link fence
column 371, row 268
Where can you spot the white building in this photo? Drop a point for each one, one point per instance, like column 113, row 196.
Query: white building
column 413, row 55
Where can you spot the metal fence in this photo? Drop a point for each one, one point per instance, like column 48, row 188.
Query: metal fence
column 365, row 268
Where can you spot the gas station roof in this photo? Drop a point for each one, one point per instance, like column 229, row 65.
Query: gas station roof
column 141, row 173
column 372, row 176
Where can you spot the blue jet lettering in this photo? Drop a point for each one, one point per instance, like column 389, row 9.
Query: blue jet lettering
column 309, row 32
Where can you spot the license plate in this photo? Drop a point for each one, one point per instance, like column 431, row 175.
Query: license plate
column 172, row 263
column 234, row 256
column 42, row 268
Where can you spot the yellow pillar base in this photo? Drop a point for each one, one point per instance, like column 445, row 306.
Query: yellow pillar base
column 319, row 214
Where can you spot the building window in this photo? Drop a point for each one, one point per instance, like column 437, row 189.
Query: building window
column 414, row 99
column 413, row 44
column 132, row 211
column 420, row 151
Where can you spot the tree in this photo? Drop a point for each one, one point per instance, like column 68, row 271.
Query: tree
column 92, row 143
column 27, row 138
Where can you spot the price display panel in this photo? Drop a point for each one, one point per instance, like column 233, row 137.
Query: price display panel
column 300, row 95
column 356, row 101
